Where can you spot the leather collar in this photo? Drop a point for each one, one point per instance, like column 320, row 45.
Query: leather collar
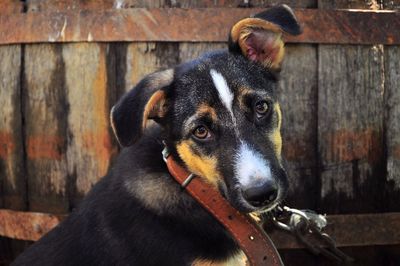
column 251, row 238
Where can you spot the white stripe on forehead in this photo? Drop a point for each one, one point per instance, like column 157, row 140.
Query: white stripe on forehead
column 224, row 93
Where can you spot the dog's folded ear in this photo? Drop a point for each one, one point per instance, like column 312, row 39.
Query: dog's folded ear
column 147, row 100
column 259, row 38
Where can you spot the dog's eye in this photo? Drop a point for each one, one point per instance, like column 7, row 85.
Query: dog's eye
column 201, row 132
column 261, row 108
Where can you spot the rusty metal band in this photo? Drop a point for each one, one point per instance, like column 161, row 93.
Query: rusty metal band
column 347, row 230
column 192, row 25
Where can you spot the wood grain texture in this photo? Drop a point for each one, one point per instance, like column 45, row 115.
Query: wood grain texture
column 298, row 98
column 12, row 173
column 350, row 123
column 51, row 5
column 147, row 24
column 45, row 112
column 352, row 133
column 348, row 4
column 59, row 5
column 90, row 141
column 145, row 58
column 350, row 127
column 190, row 51
column 11, row 6
column 241, row 3
column 392, row 86
column 391, row 4
column 291, row 3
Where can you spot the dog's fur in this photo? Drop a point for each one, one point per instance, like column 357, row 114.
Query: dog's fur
column 219, row 117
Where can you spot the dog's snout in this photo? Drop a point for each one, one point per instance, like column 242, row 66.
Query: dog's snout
column 261, row 195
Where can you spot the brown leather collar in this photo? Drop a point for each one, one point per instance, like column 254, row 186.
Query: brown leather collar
column 254, row 242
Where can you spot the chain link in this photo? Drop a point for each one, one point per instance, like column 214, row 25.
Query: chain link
column 307, row 226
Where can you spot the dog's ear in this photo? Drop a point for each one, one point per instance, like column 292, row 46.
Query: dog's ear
column 145, row 101
column 259, row 38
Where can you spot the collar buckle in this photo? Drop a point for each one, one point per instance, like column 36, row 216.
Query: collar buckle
column 165, row 153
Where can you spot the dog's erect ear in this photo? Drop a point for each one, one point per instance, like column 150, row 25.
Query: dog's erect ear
column 259, row 38
column 145, row 101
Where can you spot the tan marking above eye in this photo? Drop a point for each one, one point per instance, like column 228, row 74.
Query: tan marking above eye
column 205, row 109
column 242, row 93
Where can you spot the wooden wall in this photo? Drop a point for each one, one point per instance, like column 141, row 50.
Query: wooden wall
column 341, row 111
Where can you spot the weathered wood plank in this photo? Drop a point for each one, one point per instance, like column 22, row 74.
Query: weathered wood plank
column 11, row 6
column 142, row 59
column 298, row 97
column 27, row 225
column 12, row 172
column 145, row 58
column 392, row 87
column 90, row 143
column 391, row 4
column 190, row 51
column 45, row 112
column 350, row 125
column 51, row 5
column 346, row 4
column 59, row 5
column 242, row 3
column 138, row 24
column 41, row 5
column 291, row 3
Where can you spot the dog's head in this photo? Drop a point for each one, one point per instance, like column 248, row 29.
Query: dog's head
column 220, row 113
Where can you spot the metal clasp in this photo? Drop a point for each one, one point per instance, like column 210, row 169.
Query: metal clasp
column 307, row 226
column 187, row 181
column 189, row 178
column 165, row 153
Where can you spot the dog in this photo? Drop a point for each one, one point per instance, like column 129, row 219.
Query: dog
column 219, row 117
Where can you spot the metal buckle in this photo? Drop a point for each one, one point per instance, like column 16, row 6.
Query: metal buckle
column 165, row 153
column 189, row 178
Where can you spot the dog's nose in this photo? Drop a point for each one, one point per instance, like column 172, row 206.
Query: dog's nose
column 261, row 195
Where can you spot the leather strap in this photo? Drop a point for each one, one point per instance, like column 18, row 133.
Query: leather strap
column 254, row 242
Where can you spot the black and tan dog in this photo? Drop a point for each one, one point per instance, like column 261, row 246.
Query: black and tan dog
column 219, row 117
